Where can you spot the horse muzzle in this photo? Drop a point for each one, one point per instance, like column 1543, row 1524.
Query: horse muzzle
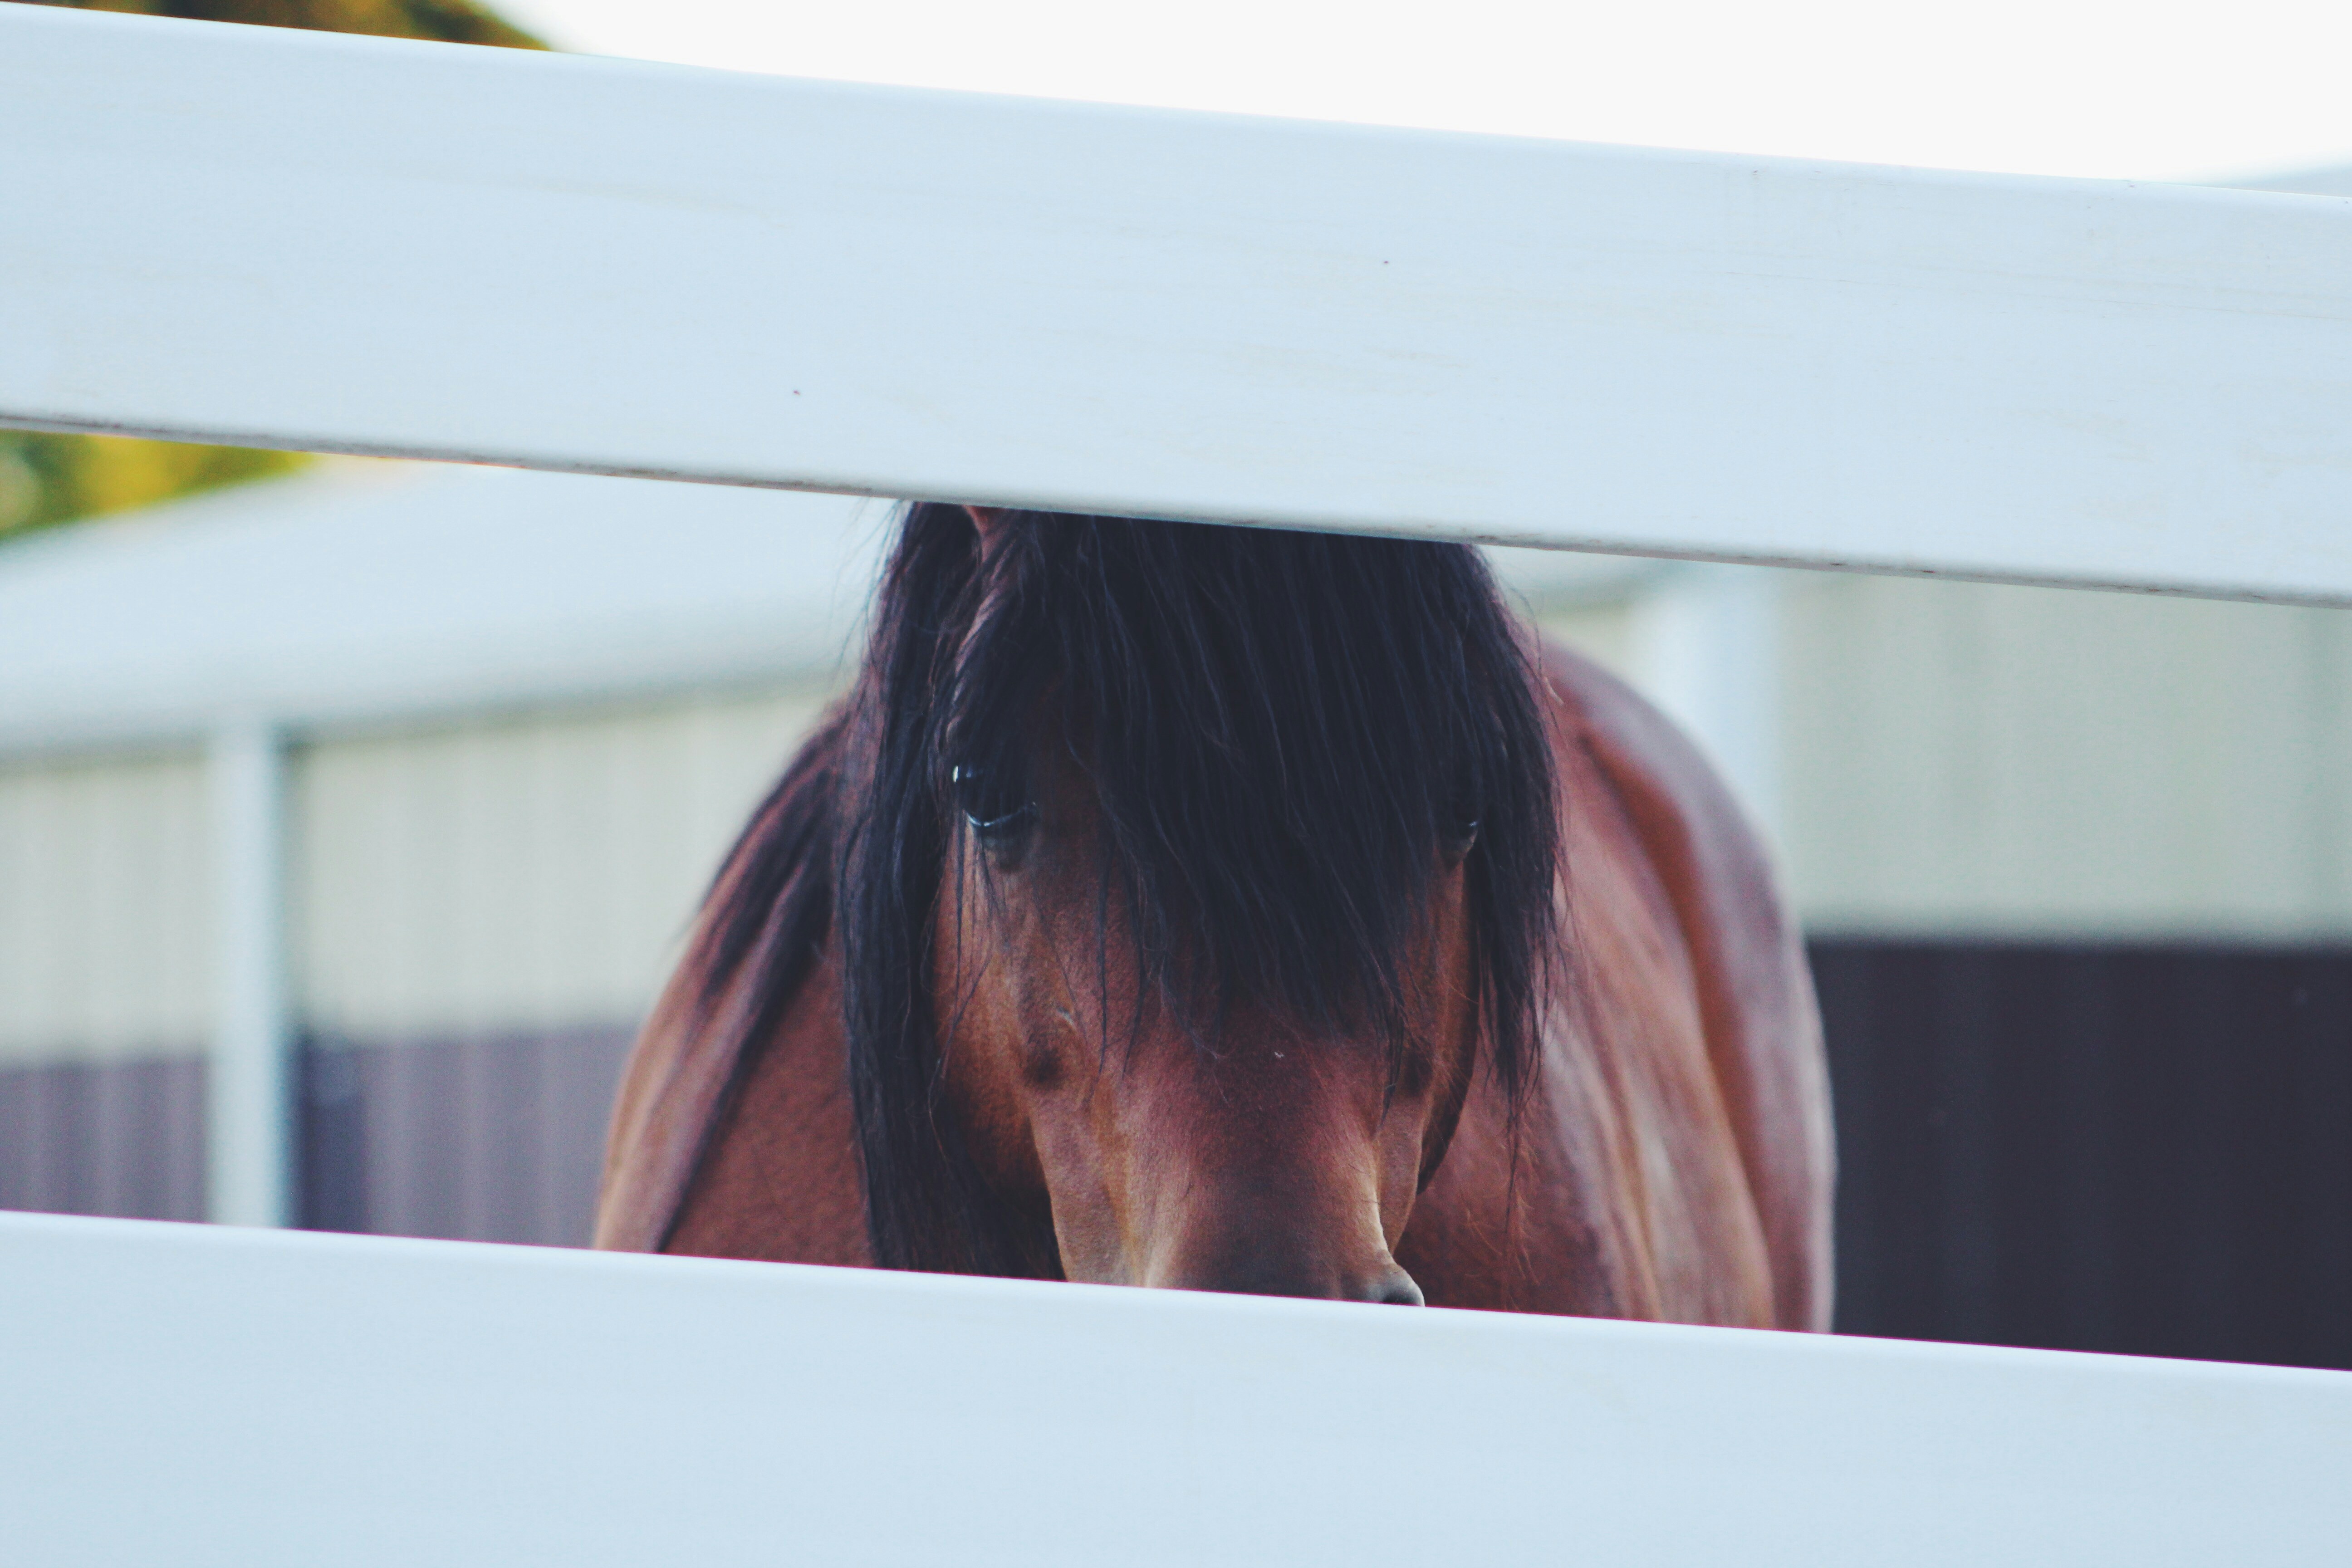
column 1258, row 1270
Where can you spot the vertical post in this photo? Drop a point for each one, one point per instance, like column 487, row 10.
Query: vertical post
column 249, row 1083
column 1707, row 643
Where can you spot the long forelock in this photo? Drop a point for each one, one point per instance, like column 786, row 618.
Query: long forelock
column 1280, row 729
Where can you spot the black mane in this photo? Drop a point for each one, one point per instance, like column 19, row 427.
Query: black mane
column 1283, row 729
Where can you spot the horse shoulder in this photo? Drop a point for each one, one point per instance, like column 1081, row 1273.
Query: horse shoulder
column 743, row 1058
column 714, row 1158
column 674, row 1079
column 1752, row 988
column 780, row 1180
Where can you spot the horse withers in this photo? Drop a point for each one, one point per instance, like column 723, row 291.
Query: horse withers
column 1240, row 910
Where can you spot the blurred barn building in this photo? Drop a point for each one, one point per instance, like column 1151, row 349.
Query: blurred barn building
column 408, row 776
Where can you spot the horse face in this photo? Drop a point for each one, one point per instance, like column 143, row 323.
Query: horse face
column 1251, row 1152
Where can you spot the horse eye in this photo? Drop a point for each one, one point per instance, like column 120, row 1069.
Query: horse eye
column 1461, row 834
column 997, row 813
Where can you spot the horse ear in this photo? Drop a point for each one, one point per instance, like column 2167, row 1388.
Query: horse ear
column 988, row 522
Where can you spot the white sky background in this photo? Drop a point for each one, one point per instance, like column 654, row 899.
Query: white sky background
column 2149, row 89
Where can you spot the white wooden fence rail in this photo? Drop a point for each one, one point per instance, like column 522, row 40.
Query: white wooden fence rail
column 184, row 1395
column 355, row 244
column 346, row 244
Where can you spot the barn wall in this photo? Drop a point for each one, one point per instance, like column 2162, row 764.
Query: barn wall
column 2078, row 869
column 105, row 995
column 483, row 913
column 1970, row 760
column 1604, row 633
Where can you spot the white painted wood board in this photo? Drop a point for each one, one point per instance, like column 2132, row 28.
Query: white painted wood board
column 365, row 245
column 194, row 1396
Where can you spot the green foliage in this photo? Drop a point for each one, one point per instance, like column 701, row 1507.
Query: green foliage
column 49, row 478
column 46, row 479
column 449, row 21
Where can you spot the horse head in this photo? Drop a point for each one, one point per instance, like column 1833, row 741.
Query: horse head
column 1188, row 878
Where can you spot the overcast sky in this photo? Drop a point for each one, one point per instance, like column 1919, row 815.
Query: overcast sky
column 2149, row 89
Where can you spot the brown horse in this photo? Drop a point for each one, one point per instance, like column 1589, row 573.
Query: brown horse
column 1240, row 910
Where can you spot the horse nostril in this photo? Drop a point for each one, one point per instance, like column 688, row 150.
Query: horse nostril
column 1396, row 1289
